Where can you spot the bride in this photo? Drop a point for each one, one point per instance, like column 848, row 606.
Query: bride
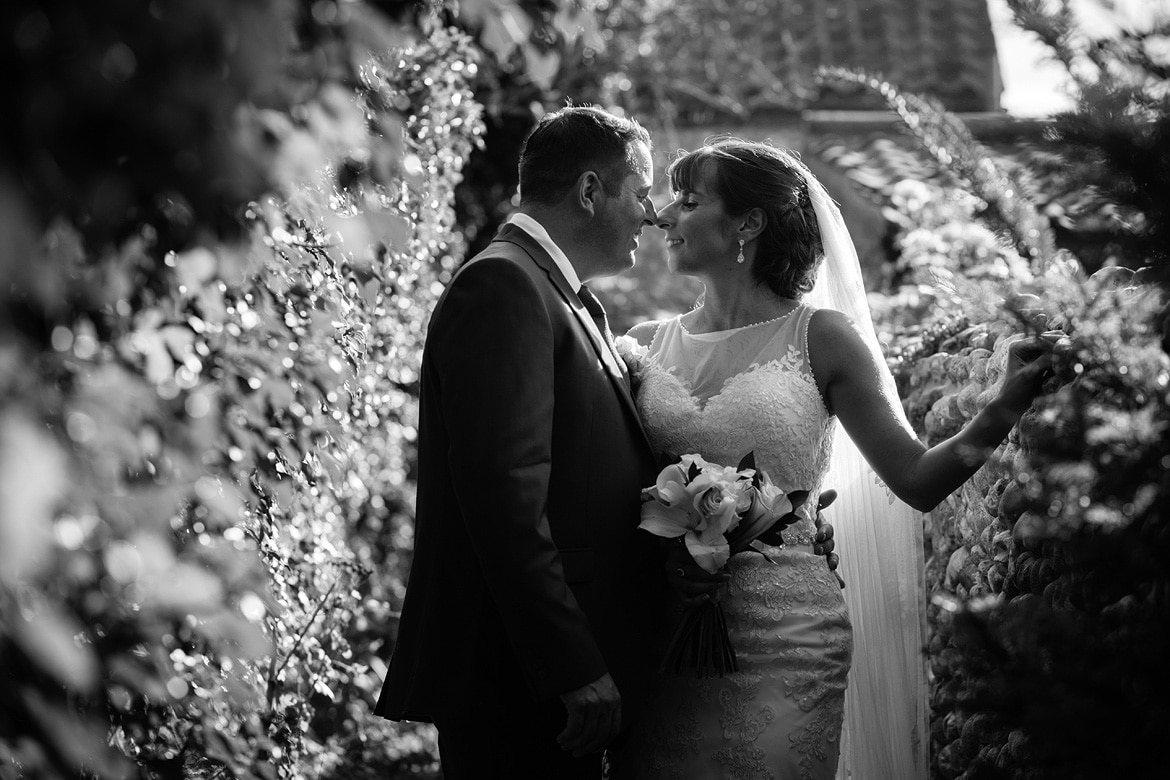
column 770, row 363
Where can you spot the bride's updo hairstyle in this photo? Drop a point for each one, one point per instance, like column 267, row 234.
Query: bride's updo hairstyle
column 748, row 175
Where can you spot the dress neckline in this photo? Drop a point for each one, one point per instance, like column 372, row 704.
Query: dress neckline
column 732, row 331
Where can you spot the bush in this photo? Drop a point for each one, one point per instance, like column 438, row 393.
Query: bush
column 205, row 391
column 1048, row 617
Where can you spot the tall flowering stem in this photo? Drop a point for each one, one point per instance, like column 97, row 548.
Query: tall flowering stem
column 1003, row 185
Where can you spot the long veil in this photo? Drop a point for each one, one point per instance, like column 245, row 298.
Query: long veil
column 879, row 539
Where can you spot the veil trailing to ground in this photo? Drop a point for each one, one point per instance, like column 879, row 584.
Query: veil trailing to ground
column 879, row 539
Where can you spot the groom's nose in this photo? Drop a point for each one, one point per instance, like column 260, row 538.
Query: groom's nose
column 651, row 217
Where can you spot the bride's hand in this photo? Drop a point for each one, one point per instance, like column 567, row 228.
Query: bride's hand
column 823, row 542
column 1029, row 365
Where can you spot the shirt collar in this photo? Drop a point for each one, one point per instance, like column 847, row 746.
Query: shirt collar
column 533, row 228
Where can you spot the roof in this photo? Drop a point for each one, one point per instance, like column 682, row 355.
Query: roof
column 877, row 159
column 942, row 47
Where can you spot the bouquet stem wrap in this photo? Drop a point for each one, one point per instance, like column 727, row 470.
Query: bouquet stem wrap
column 701, row 643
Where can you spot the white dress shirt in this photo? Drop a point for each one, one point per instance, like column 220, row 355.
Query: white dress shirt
column 533, row 228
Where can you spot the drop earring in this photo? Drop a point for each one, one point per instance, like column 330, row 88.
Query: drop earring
column 739, row 258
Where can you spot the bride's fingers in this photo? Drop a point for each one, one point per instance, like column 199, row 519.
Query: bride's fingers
column 825, row 531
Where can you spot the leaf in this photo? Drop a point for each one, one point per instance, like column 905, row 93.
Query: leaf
column 33, row 480
column 180, row 339
column 747, row 462
column 184, row 589
column 48, row 639
column 221, row 497
column 158, row 363
column 79, row 742
column 542, row 66
column 217, row 748
column 393, row 229
column 195, row 267
column 242, row 636
column 505, row 30
column 773, row 536
column 140, row 675
column 145, row 509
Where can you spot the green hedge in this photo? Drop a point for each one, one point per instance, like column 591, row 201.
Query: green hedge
column 1046, row 573
column 206, row 393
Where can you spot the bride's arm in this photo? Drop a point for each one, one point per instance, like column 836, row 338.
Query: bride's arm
column 850, row 382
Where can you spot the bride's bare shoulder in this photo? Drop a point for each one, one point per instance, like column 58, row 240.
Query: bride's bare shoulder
column 834, row 341
column 827, row 324
column 644, row 332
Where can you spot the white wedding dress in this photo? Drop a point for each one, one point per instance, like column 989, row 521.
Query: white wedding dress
column 779, row 717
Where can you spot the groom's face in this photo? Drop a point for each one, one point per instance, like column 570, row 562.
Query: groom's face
column 621, row 216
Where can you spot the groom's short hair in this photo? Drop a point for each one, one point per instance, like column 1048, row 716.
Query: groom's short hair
column 575, row 139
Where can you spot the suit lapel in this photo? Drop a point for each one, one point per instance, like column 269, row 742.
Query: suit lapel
column 618, row 377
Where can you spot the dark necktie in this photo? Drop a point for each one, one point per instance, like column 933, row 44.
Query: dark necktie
column 593, row 306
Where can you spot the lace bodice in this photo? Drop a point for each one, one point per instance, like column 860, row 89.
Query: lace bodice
column 751, row 389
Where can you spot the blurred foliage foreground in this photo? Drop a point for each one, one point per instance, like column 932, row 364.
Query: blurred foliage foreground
column 224, row 225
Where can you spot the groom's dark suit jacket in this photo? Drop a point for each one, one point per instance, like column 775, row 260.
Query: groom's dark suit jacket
column 529, row 578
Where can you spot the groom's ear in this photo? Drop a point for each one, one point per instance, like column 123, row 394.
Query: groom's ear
column 752, row 224
column 587, row 191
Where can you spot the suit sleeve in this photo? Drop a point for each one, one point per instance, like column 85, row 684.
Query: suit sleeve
column 495, row 363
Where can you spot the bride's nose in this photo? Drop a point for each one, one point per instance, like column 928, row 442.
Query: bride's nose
column 665, row 217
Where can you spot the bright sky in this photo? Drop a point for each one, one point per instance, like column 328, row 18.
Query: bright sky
column 1034, row 85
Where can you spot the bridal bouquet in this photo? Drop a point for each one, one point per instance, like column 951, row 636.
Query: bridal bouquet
column 715, row 511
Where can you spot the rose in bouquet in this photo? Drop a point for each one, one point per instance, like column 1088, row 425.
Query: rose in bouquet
column 715, row 511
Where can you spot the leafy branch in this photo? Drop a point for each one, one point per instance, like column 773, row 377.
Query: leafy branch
column 1002, row 184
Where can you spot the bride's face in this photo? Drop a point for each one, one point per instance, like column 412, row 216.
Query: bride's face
column 699, row 234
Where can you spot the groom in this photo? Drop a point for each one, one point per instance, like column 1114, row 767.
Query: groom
column 526, row 631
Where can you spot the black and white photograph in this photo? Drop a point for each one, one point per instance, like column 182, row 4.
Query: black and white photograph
column 584, row 389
